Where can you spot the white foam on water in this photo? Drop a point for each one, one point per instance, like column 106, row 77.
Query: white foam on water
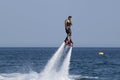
column 78, row 77
column 20, row 76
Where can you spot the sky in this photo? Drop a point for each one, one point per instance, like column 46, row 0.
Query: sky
column 40, row 23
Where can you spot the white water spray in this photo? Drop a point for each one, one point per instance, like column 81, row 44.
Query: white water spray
column 51, row 72
column 64, row 71
column 52, row 63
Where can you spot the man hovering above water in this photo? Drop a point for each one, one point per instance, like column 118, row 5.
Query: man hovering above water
column 68, row 24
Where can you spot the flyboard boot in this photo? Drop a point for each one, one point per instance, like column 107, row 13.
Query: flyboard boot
column 68, row 41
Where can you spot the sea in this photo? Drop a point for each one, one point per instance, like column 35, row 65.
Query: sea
column 23, row 63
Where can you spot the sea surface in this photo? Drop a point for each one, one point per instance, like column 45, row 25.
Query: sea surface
column 85, row 63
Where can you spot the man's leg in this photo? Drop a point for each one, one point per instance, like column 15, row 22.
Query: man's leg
column 71, row 43
column 70, row 36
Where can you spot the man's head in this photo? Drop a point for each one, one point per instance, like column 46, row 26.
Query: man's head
column 69, row 17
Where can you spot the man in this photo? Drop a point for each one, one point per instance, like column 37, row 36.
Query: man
column 68, row 24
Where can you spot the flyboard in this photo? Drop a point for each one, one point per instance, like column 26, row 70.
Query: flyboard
column 68, row 41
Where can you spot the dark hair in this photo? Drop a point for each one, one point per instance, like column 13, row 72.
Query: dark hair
column 69, row 16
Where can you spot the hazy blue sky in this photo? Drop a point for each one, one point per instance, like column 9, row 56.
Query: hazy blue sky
column 40, row 23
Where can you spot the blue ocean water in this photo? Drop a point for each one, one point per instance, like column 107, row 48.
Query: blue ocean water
column 85, row 64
